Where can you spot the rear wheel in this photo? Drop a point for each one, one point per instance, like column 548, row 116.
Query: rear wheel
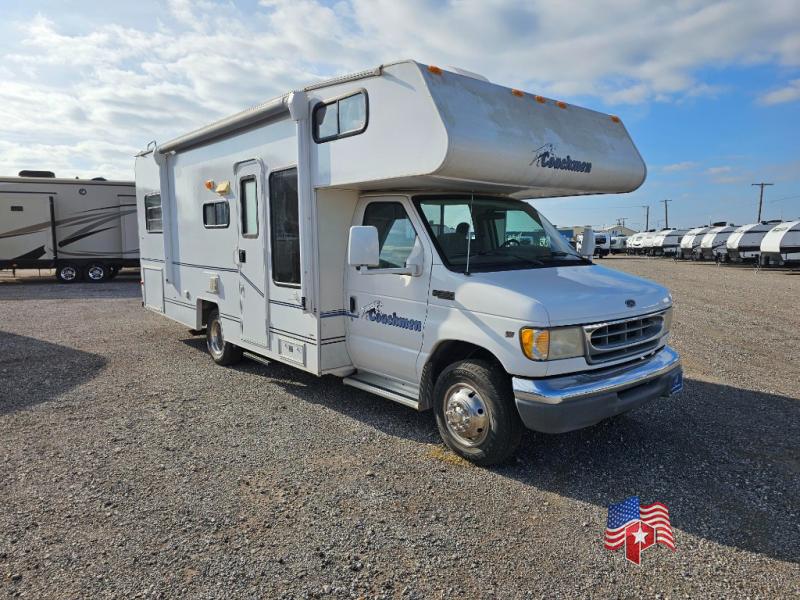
column 224, row 353
column 475, row 412
column 97, row 273
column 67, row 273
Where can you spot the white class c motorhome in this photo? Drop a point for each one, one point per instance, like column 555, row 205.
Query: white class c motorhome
column 371, row 227
column 84, row 228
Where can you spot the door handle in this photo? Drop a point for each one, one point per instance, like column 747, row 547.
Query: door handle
column 242, row 256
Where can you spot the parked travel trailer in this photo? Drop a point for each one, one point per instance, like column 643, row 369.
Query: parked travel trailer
column 602, row 245
column 648, row 239
column 744, row 244
column 713, row 244
column 83, row 228
column 667, row 242
column 690, row 241
column 618, row 244
column 370, row 227
column 633, row 244
column 781, row 244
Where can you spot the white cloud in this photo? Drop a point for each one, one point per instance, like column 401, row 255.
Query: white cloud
column 681, row 166
column 719, row 170
column 119, row 85
column 788, row 93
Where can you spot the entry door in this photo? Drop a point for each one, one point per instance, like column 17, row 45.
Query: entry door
column 389, row 310
column 251, row 252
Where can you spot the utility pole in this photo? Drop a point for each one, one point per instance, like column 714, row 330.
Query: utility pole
column 761, row 198
column 621, row 221
column 666, row 213
column 646, row 207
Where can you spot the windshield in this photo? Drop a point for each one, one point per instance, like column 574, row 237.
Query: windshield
column 493, row 234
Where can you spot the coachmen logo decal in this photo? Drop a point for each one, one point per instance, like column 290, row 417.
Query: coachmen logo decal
column 545, row 156
column 373, row 312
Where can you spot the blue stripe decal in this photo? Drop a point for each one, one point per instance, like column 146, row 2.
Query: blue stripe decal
column 280, row 303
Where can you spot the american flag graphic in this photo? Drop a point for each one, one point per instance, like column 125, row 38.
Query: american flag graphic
column 638, row 527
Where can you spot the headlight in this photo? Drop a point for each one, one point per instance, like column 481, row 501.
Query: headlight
column 551, row 344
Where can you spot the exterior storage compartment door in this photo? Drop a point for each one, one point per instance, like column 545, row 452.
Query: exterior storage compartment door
column 26, row 229
column 153, row 279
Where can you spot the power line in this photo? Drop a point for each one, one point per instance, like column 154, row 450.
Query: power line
column 761, row 198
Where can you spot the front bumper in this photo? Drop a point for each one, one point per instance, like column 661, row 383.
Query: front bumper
column 569, row 402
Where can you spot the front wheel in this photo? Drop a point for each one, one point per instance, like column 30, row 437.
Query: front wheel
column 475, row 412
column 224, row 353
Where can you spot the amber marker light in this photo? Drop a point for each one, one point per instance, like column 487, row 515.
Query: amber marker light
column 518, row 93
column 616, row 119
column 434, row 69
column 540, row 99
column 560, row 104
column 210, row 184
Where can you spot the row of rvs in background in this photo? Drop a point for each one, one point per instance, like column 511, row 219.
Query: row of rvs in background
column 768, row 243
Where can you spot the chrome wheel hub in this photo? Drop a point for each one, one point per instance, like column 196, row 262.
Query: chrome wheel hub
column 466, row 415
column 216, row 343
column 68, row 273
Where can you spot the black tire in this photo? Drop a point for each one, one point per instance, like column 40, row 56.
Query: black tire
column 222, row 352
column 68, row 273
column 493, row 444
column 97, row 273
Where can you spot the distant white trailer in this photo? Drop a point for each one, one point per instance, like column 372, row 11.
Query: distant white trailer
column 781, row 244
column 690, row 241
column 744, row 244
column 648, row 238
column 667, row 242
column 84, row 228
column 634, row 243
column 713, row 245
column 618, row 244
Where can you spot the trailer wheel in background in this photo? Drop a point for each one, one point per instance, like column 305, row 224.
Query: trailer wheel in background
column 67, row 272
column 224, row 353
column 476, row 413
column 97, row 273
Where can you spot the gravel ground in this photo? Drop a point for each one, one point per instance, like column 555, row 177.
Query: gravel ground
column 131, row 466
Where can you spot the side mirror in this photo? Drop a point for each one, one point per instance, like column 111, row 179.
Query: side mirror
column 363, row 248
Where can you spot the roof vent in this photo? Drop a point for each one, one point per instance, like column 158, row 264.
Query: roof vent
column 48, row 174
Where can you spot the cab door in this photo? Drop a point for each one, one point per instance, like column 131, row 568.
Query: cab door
column 251, row 252
column 387, row 310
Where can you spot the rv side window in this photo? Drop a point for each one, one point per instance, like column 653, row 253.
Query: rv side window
column 152, row 213
column 216, row 214
column 396, row 234
column 341, row 118
column 248, row 199
column 284, row 227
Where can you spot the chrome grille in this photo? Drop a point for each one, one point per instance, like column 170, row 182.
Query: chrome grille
column 621, row 339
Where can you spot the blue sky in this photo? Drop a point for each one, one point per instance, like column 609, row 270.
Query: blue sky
column 710, row 91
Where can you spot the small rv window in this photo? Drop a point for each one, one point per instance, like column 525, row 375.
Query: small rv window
column 284, row 227
column 248, row 200
column 396, row 234
column 341, row 118
column 216, row 214
column 152, row 213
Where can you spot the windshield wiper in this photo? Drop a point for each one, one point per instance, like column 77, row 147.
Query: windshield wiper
column 531, row 261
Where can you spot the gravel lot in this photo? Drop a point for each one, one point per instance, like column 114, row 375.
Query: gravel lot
column 131, row 466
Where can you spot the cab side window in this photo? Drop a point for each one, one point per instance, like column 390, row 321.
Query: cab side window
column 396, row 234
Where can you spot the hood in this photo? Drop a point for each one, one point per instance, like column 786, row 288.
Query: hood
column 562, row 295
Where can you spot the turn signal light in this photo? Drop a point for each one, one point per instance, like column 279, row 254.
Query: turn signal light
column 535, row 343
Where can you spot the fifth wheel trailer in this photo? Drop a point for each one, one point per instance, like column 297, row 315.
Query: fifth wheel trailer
column 373, row 227
column 84, row 228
